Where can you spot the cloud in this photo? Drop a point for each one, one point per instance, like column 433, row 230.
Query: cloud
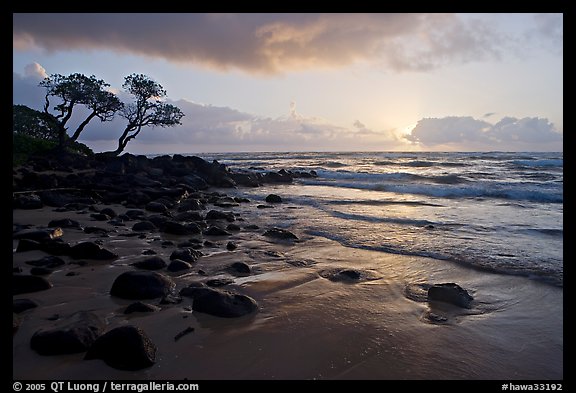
column 35, row 71
column 271, row 43
column 209, row 128
column 25, row 90
column 467, row 133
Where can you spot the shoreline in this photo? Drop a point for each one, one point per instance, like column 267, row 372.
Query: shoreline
column 307, row 326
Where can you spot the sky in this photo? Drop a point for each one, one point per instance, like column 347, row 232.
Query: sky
column 313, row 82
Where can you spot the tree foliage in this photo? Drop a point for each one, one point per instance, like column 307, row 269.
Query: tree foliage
column 73, row 90
column 33, row 123
column 147, row 110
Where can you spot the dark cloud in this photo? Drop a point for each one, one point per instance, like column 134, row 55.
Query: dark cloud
column 268, row 43
column 467, row 133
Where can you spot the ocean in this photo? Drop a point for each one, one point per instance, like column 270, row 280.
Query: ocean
column 495, row 211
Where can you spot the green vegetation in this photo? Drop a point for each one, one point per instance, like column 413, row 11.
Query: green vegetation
column 33, row 134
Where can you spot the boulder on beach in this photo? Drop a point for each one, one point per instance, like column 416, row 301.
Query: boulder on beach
column 239, row 268
column 282, row 234
column 143, row 226
column 219, row 215
column 39, row 235
column 177, row 265
column 216, row 231
column 450, row 293
column 141, row 285
column 22, row 283
column 65, row 223
column 74, row 334
column 124, row 348
column 91, row 250
column 21, row 305
column 186, row 254
column 141, row 307
column 224, row 304
column 27, row 202
column 273, row 198
column 150, row 263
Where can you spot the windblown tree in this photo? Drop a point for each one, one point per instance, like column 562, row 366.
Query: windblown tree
column 72, row 91
column 147, row 110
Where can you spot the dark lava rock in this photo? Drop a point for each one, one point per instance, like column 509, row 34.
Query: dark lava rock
column 231, row 246
column 190, row 204
column 109, row 212
column 278, row 233
column 273, row 198
column 124, row 348
column 55, row 247
column 349, row 274
column 186, row 254
column 192, row 289
column 450, row 293
column 176, row 228
column 141, row 285
column 39, row 235
column 99, row 230
column 264, row 207
column 64, row 223
column 178, row 265
column 189, row 216
column 21, row 305
column 25, row 284
column 27, row 202
column 143, row 226
column 219, row 282
column 252, row 227
column 215, row 231
column 48, row 262
column 28, row 245
column 171, row 299
column 156, row 207
column 218, row 215
column 158, row 220
column 240, row 267
column 90, row 250
column 222, row 303
column 233, row 227
column 100, row 216
column 149, row 252
column 135, row 213
column 40, row 271
column 141, row 307
column 151, row 263
column 76, row 335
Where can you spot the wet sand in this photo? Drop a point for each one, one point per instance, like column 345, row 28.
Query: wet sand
column 307, row 327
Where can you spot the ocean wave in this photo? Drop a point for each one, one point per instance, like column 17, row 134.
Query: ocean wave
column 446, row 190
column 499, row 263
column 393, row 176
column 370, row 202
column 486, row 191
column 540, row 163
column 392, row 220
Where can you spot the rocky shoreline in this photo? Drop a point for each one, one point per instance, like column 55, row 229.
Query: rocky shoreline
column 108, row 241
column 166, row 195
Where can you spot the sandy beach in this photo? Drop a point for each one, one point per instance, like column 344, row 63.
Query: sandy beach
column 306, row 326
